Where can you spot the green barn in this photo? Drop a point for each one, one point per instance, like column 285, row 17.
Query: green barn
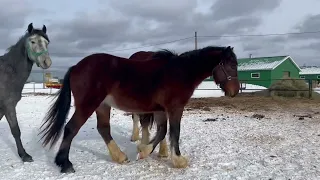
column 311, row 73
column 264, row 71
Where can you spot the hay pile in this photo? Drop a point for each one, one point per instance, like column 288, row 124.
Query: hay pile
column 290, row 88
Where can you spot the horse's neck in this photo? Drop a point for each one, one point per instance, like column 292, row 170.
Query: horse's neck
column 197, row 71
column 18, row 62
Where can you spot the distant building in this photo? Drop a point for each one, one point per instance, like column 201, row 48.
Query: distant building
column 311, row 73
column 264, row 71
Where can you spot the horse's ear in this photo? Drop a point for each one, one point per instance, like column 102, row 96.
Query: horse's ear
column 44, row 28
column 30, row 28
column 227, row 51
column 232, row 48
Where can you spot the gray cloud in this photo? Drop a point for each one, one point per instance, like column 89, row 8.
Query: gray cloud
column 263, row 43
column 310, row 23
column 306, row 47
column 303, row 48
column 125, row 25
column 224, row 9
column 11, row 19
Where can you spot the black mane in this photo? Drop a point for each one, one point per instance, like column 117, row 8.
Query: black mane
column 164, row 54
column 197, row 52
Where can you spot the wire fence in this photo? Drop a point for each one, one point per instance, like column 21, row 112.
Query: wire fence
column 49, row 83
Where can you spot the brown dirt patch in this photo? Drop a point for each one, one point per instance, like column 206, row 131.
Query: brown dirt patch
column 256, row 103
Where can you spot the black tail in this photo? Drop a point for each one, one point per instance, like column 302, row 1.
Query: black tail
column 57, row 114
column 147, row 118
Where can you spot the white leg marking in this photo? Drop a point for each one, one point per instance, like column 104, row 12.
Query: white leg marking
column 109, row 100
column 178, row 161
column 135, row 127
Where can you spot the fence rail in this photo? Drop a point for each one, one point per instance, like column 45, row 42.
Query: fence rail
column 210, row 89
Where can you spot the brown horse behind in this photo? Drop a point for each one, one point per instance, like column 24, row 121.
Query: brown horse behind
column 162, row 86
column 146, row 119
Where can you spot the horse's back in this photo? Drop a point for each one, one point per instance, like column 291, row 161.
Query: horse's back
column 109, row 69
column 141, row 55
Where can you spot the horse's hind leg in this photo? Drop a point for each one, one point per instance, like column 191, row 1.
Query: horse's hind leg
column 10, row 114
column 103, row 126
column 163, row 149
column 146, row 150
column 70, row 131
column 145, row 121
column 135, row 127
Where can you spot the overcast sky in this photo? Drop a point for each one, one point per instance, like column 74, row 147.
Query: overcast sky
column 78, row 28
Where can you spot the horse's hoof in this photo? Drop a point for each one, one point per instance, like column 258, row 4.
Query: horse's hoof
column 120, row 158
column 179, row 161
column 144, row 150
column 163, row 155
column 67, row 170
column 65, row 165
column 124, row 160
column 26, row 158
column 134, row 138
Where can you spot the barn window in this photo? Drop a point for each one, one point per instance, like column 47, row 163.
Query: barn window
column 302, row 77
column 255, row 75
column 286, row 74
column 318, row 77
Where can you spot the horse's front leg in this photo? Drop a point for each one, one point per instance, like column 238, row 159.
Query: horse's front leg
column 177, row 159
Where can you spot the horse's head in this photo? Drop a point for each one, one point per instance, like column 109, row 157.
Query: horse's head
column 225, row 73
column 37, row 46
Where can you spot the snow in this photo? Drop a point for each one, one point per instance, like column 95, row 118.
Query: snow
column 310, row 70
column 232, row 147
column 37, row 88
column 258, row 65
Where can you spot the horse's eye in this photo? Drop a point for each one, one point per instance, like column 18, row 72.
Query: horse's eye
column 33, row 42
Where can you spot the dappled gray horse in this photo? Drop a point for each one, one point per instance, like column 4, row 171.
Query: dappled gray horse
column 15, row 68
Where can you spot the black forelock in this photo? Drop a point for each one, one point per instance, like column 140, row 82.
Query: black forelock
column 40, row 33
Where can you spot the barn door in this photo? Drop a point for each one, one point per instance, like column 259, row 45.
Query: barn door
column 286, row 74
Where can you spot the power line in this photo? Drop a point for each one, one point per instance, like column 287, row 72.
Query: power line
column 150, row 45
column 207, row 36
column 273, row 34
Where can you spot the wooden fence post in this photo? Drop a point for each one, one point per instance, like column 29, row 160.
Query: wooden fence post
column 310, row 88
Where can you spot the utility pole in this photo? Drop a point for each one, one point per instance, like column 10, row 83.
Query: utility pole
column 195, row 41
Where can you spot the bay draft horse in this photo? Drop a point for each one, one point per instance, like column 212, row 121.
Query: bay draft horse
column 146, row 119
column 162, row 85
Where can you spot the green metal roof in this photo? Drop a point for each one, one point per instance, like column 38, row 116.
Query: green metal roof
column 262, row 63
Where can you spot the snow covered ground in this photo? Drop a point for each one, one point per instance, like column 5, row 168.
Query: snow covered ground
column 232, row 147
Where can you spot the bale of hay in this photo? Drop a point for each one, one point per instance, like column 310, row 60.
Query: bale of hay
column 289, row 88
